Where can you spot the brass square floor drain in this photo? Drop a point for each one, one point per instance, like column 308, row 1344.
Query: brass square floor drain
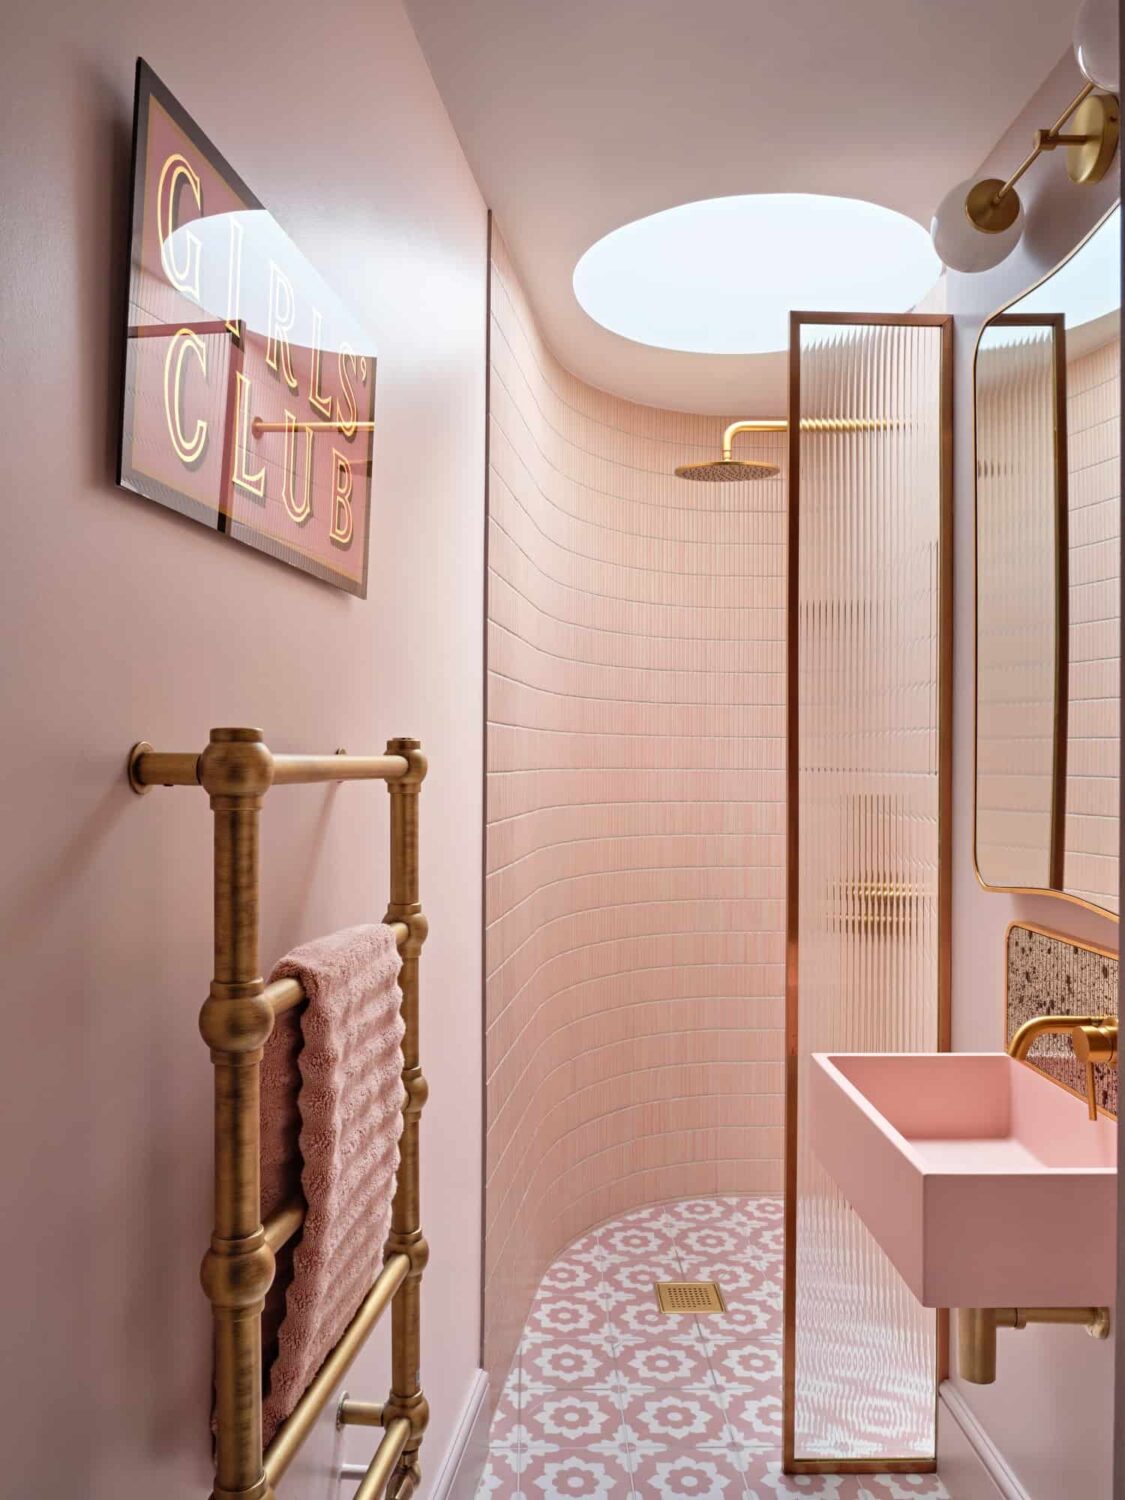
column 689, row 1297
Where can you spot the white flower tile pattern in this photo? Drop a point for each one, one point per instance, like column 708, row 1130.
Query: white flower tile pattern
column 609, row 1399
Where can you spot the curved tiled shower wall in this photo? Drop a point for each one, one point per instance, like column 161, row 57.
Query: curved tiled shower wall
column 635, row 814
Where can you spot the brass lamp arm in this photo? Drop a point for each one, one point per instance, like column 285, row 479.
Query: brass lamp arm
column 1047, row 140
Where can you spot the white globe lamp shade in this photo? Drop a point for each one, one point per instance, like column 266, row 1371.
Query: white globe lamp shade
column 958, row 241
column 1097, row 43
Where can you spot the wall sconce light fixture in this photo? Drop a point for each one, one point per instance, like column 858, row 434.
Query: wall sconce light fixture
column 978, row 224
column 1097, row 45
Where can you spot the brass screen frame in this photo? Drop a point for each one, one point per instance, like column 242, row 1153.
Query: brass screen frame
column 798, row 320
column 237, row 769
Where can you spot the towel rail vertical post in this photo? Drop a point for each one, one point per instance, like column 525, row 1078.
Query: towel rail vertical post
column 406, row 1398
column 236, row 770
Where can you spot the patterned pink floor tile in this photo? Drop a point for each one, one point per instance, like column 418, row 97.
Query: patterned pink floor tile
column 570, row 1274
column 610, row 1399
column 749, row 1322
column 573, row 1419
column 687, row 1475
column 694, row 1212
column 636, row 1279
column 718, row 1241
column 755, row 1420
column 568, row 1315
column 506, row 1455
column 735, row 1271
column 649, row 1214
column 905, row 1487
column 747, row 1366
column 507, row 1412
column 566, row 1365
column 575, row 1475
column 668, row 1422
column 628, row 1243
column 667, row 1366
column 495, row 1484
column 641, row 1322
column 758, row 1208
column 603, row 1257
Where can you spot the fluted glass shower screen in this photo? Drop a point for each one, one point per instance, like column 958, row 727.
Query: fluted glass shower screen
column 870, row 588
column 1022, row 646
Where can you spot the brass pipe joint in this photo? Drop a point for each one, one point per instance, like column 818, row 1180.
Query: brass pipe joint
column 414, row 1246
column 415, row 921
column 406, row 1479
column 1094, row 1045
column 259, row 1490
column 976, row 1332
column 413, row 1409
column 234, row 1025
column 417, row 765
column 351, row 1413
column 417, row 1092
column 236, row 764
column 238, row 1273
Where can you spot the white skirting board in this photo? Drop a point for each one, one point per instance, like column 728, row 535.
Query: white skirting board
column 969, row 1465
column 458, row 1474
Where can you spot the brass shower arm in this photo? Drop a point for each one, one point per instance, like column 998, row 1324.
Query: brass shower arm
column 736, row 427
column 809, row 424
column 729, row 468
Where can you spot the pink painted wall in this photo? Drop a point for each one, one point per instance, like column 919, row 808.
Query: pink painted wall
column 124, row 620
column 635, row 840
column 1050, row 1412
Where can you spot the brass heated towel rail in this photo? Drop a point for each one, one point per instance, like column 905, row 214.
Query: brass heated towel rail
column 237, row 770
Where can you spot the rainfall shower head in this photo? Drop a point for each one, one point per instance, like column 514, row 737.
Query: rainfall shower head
column 728, row 470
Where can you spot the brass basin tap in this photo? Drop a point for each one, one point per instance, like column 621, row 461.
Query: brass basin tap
column 1094, row 1039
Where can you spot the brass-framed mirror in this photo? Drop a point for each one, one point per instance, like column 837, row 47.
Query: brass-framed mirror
column 1047, row 421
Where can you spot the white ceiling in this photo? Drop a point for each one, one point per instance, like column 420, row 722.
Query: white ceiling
column 578, row 116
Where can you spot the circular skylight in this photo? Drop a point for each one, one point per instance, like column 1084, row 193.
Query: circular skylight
column 721, row 276
column 1088, row 285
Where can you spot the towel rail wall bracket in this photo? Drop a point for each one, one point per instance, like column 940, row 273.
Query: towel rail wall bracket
column 236, row 770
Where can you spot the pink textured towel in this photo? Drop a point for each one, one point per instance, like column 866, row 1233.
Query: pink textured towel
column 333, row 1130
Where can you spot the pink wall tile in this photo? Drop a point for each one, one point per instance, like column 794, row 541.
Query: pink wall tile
column 1093, row 724
column 635, row 814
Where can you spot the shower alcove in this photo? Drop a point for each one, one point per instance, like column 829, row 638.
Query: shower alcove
column 644, row 721
column 635, row 814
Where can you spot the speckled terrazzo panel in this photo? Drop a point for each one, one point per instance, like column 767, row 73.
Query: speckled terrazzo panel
column 1054, row 976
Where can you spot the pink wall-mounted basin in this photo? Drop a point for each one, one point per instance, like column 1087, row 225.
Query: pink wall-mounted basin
column 985, row 1183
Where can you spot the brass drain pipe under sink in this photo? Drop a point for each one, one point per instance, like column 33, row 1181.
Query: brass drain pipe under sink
column 976, row 1332
column 1094, row 1040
